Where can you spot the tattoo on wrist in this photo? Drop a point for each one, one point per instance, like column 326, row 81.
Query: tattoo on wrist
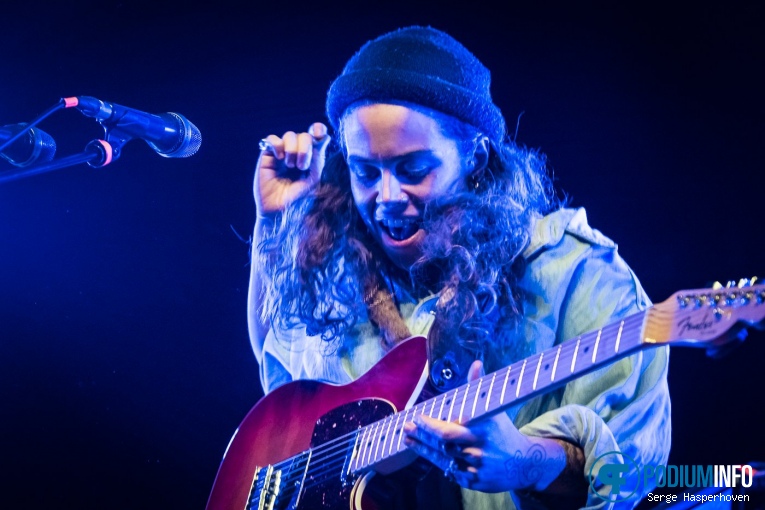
column 526, row 469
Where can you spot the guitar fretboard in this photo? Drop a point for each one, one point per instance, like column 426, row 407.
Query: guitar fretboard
column 499, row 390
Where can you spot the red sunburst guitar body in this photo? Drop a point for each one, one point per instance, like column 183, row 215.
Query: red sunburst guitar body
column 303, row 414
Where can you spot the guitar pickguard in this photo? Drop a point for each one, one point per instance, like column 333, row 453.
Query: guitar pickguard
column 333, row 490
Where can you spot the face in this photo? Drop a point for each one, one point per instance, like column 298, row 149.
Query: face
column 399, row 161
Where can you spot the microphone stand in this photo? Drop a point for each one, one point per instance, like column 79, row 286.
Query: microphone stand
column 97, row 153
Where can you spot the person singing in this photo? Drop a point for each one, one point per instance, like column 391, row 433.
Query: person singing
column 419, row 215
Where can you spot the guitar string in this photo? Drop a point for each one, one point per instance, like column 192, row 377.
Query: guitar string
column 335, row 449
column 565, row 351
column 325, row 454
column 628, row 328
column 329, row 466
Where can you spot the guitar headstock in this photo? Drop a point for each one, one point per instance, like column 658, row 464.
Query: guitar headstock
column 709, row 318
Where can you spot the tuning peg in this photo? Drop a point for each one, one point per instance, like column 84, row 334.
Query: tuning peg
column 744, row 282
column 717, row 285
column 730, row 285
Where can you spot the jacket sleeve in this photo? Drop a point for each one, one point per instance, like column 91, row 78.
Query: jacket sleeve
column 623, row 407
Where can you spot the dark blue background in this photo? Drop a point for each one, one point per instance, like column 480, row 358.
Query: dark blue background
column 125, row 364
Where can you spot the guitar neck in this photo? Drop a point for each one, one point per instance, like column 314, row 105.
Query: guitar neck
column 698, row 317
column 512, row 385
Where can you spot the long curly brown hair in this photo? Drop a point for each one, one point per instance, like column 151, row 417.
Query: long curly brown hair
column 323, row 265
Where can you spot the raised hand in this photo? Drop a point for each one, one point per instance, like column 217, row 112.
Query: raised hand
column 287, row 167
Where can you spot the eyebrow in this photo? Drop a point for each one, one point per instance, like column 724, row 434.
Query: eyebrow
column 392, row 160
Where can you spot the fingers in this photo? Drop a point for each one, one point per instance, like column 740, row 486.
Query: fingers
column 299, row 150
column 440, row 441
column 436, row 432
column 272, row 145
column 287, row 167
column 320, row 143
column 475, row 371
column 449, row 446
column 318, row 131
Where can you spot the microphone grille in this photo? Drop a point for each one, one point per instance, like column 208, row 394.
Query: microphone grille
column 46, row 143
column 190, row 139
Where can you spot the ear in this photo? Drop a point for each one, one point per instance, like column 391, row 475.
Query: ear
column 480, row 154
column 479, row 159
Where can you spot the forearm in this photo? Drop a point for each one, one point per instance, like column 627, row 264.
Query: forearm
column 257, row 326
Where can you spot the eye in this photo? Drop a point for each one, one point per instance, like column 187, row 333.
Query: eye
column 414, row 170
column 364, row 172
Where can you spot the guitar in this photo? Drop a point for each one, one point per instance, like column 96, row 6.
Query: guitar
column 310, row 445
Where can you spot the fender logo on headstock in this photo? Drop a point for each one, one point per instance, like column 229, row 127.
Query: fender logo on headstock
column 687, row 325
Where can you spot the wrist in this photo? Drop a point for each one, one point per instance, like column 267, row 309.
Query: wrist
column 547, row 457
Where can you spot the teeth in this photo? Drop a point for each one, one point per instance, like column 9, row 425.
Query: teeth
column 397, row 222
column 400, row 228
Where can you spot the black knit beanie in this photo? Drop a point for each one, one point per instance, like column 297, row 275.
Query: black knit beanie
column 423, row 66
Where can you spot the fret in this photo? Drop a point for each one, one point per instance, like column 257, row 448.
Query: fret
column 396, row 430
column 619, row 336
column 504, row 387
column 386, row 435
column 597, row 341
column 464, row 397
column 576, row 350
column 555, row 364
column 451, row 407
column 401, row 433
column 491, row 385
column 536, row 375
column 475, row 400
column 372, row 441
column 441, row 409
column 362, row 447
column 520, row 379
column 355, row 453
column 432, row 408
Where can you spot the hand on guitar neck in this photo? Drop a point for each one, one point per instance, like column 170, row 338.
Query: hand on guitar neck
column 492, row 455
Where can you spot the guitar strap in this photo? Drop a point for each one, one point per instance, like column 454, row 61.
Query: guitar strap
column 449, row 361
column 383, row 312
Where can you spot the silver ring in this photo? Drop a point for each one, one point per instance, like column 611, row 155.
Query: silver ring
column 265, row 146
column 451, row 469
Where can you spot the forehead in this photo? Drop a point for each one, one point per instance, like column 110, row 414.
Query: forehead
column 380, row 131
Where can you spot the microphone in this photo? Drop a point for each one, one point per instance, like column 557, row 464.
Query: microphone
column 170, row 134
column 37, row 145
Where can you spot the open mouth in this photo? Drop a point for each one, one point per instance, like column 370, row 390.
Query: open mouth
column 400, row 229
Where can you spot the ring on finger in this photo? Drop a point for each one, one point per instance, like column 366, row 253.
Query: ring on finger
column 451, row 470
column 266, row 146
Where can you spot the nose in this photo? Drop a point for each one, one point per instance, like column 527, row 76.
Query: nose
column 389, row 188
